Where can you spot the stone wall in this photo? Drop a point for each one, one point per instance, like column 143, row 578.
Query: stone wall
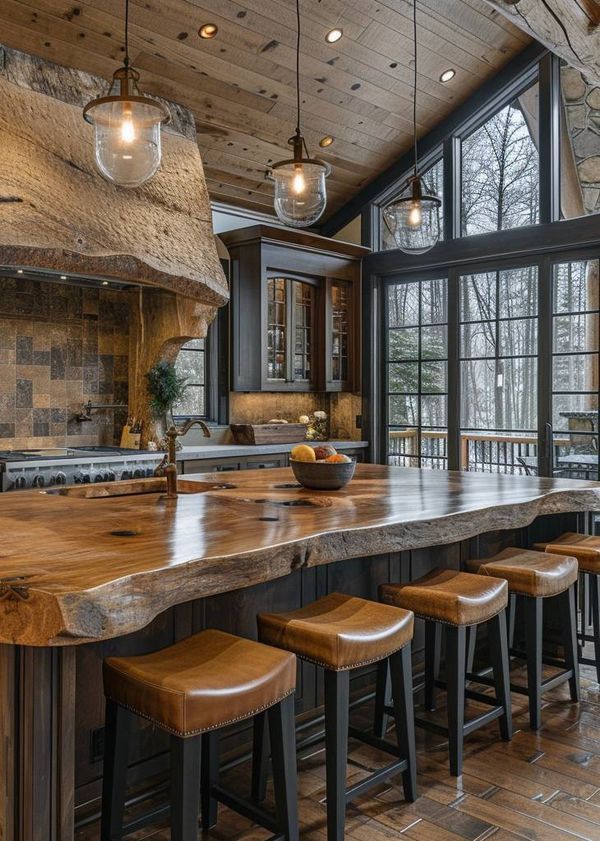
column 582, row 109
column 61, row 346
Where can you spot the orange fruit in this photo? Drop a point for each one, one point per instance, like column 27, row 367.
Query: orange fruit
column 303, row 453
column 338, row 458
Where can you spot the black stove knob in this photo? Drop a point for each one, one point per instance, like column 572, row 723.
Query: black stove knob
column 59, row 479
column 38, row 481
column 85, row 478
column 98, row 477
column 20, row 483
column 138, row 473
column 126, row 474
column 110, row 476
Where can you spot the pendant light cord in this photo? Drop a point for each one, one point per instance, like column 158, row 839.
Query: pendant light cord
column 297, row 65
column 415, row 84
column 126, row 33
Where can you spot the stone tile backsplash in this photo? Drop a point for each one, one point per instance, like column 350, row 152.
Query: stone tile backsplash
column 61, row 346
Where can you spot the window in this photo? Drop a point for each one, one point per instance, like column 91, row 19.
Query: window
column 498, row 368
column 191, row 364
column 499, row 166
column 575, row 359
column 434, row 181
column 417, row 313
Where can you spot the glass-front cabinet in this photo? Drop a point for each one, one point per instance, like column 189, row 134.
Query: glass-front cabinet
column 295, row 301
column 290, row 311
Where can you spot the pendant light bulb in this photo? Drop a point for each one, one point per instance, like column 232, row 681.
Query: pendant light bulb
column 300, row 191
column 413, row 219
column 127, row 127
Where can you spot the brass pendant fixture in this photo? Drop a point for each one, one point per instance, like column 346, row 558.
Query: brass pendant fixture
column 300, row 189
column 414, row 217
column 127, row 126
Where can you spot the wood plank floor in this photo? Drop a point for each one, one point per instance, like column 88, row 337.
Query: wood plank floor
column 539, row 787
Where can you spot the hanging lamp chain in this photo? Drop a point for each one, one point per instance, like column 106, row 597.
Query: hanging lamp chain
column 297, row 66
column 126, row 62
column 415, row 85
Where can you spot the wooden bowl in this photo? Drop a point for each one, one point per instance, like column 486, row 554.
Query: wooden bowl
column 322, row 475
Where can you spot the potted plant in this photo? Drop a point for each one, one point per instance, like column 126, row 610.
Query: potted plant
column 165, row 388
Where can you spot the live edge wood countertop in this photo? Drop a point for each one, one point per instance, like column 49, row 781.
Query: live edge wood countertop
column 76, row 569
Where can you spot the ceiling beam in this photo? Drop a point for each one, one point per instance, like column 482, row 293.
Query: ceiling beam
column 570, row 28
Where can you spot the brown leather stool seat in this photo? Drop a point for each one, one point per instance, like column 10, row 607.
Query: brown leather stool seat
column 449, row 596
column 584, row 547
column 202, row 683
column 528, row 572
column 339, row 632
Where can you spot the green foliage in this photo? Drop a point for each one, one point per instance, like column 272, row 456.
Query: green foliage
column 165, row 387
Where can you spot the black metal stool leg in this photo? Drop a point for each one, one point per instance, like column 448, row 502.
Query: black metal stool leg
column 185, row 788
column 404, row 716
column 337, row 700
column 533, row 644
column 471, row 645
column 433, row 644
column 260, row 758
column 512, row 615
column 209, row 777
column 283, row 745
column 118, row 725
column 498, row 638
column 569, row 627
column 383, row 699
column 594, row 586
column 456, row 641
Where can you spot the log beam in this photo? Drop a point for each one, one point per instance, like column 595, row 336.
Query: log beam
column 570, row 28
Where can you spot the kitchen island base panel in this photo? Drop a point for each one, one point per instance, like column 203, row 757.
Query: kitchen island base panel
column 50, row 720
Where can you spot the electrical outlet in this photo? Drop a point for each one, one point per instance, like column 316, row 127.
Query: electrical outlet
column 97, row 744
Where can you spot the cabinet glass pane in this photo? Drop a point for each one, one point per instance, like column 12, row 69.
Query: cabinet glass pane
column 340, row 298
column 276, row 328
column 303, row 305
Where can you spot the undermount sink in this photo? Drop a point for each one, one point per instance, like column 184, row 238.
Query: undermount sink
column 136, row 487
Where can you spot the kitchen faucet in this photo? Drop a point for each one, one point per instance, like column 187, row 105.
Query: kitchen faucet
column 168, row 466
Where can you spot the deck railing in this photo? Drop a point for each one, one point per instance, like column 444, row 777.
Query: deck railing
column 479, row 451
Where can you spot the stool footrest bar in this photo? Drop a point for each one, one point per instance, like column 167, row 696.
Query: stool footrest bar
column 245, row 808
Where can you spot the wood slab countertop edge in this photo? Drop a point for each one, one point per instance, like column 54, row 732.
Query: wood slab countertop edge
column 63, row 584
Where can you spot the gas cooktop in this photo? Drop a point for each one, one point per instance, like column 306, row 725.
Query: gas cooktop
column 64, row 452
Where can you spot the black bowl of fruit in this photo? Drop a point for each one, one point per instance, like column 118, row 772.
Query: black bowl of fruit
column 321, row 468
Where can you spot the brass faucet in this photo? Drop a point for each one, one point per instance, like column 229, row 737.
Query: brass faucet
column 168, row 466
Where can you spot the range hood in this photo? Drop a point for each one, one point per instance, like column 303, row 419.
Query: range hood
column 59, row 214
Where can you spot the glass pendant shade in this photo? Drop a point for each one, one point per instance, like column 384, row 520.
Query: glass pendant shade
column 414, row 218
column 300, row 191
column 127, row 131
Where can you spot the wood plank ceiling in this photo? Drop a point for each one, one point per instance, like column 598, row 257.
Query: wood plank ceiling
column 241, row 83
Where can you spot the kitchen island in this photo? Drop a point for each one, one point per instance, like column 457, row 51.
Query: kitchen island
column 87, row 571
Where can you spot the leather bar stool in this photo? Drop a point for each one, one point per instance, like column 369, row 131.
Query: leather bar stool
column 455, row 601
column 532, row 578
column 585, row 548
column 191, row 690
column 339, row 633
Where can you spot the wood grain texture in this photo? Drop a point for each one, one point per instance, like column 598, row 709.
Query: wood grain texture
column 240, row 85
column 72, row 576
column 570, row 28
column 59, row 213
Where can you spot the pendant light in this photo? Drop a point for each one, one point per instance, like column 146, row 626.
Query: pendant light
column 126, row 126
column 300, row 191
column 414, row 217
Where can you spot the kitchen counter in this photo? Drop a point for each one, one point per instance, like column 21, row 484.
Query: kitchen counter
column 90, row 569
column 84, row 578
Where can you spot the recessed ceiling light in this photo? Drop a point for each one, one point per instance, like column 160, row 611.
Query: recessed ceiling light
column 63, row 277
column 447, row 75
column 105, row 283
column 208, row 30
column 326, row 141
column 19, row 271
column 334, row 35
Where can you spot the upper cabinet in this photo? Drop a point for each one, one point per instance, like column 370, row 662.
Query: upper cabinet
column 295, row 311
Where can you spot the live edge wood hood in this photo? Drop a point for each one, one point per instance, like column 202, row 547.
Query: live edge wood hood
column 58, row 213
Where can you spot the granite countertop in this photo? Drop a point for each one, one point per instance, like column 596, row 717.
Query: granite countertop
column 86, row 569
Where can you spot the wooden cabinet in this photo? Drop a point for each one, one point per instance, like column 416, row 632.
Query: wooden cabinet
column 295, row 311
